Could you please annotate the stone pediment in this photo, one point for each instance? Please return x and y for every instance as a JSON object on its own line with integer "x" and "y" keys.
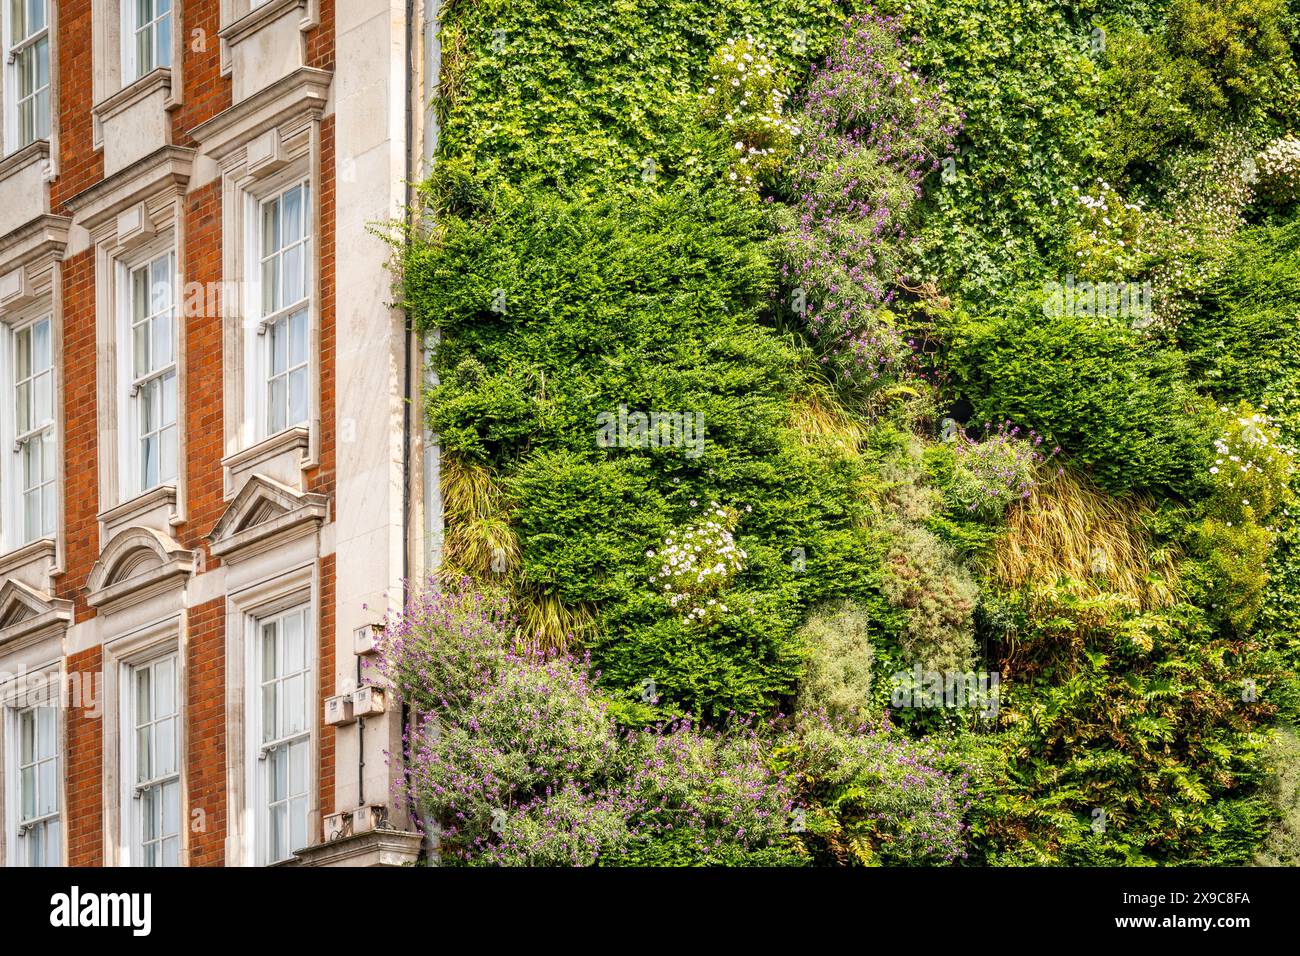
{"x": 136, "y": 564}
{"x": 264, "y": 514}
{"x": 26, "y": 612}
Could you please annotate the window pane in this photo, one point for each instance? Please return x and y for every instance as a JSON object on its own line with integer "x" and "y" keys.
{"x": 27, "y": 733}
{"x": 297, "y": 413}
{"x": 43, "y": 406}
{"x": 295, "y": 718}
{"x": 279, "y": 773}
{"x": 167, "y": 455}
{"x": 140, "y": 335}
{"x": 171, "y": 852}
{"x": 270, "y": 227}
{"x": 294, "y": 284}
{"x": 53, "y": 843}
{"x": 46, "y": 729}
{"x": 41, "y": 353}
{"x": 28, "y": 787}
{"x": 32, "y": 515}
{"x": 160, "y": 284}
{"x": 168, "y": 413}
{"x": 149, "y": 462}
{"x": 162, "y": 340}
{"x": 41, "y": 56}
{"x": 292, "y": 227}
{"x": 278, "y": 836}
{"x": 270, "y": 285}
{"x": 164, "y": 38}
{"x": 149, "y": 815}
{"x": 143, "y": 754}
{"x": 41, "y": 107}
{"x": 270, "y": 662}
{"x": 293, "y": 643}
{"x": 279, "y": 347}
{"x": 171, "y": 808}
{"x": 165, "y": 686}
{"x": 276, "y": 406}
{"x": 47, "y": 511}
{"x": 32, "y": 463}
{"x": 24, "y": 403}
{"x": 23, "y": 353}
{"x": 48, "y": 788}
{"x": 297, "y": 826}
{"x": 143, "y": 696}
{"x": 298, "y": 768}
{"x": 298, "y": 338}
{"x": 165, "y": 744}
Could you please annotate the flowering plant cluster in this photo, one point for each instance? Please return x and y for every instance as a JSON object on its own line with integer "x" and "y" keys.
{"x": 1206, "y": 209}
{"x": 520, "y": 763}
{"x": 1252, "y": 468}
{"x": 747, "y": 99}
{"x": 697, "y": 563}
{"x": 880, "y": 797}
{"x": 872, "y": 128}
{"x": 1110, "y": 238}
{"x": 1001, "y": 468}
{"x": 1278, "y": 168}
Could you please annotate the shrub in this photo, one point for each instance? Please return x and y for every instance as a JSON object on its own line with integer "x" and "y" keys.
{"x": 1117, "y": 404}
{"x": 871, "y": 128}
{"x": 1278, "y": 167}
{"x": 992, "y": 473}
{"x": 746, "y": 98}
{"x": 839, "y": 656}
{"x": 937, "y": 596}
{"x": 533, "y": 731}
{"x": 1130, "y": 736}
{"x": 446, "y": 646}
{"x": 1282, "y": 845}
{"x": 698, "y": 563}
{"x": 873, "y": 797}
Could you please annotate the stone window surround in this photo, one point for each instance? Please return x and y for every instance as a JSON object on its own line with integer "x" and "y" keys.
{"x": 133, "y": 213}
{"x": 240, "y": 19}
{"x": 14, "y": 697}
{"x": 271, "y": 592}
{"x": 140, "y": 645}
{"x": 107, "y": 92}
{"x": 31, "y": 284}
{"x": 51, "y": 145}
{"x": 262, "y": 145}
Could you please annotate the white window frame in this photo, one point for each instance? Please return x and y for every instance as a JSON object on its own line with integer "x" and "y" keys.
{"x": 261, "y": 754}
{"x": 272, "y": 320}
{"x": 14, "y": 444}
{"x": 135, "y": 390}
{"x": 18, "y": 850}
{"x": 160, "y": 55}
{"x": 133, "y": 791}
{"x": 42, "y": 119}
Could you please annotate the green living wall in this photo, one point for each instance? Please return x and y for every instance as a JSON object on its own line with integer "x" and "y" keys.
{"x": 761, "y": 404}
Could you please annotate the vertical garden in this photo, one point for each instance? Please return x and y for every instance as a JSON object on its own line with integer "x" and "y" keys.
{"x": 868, "y": 434}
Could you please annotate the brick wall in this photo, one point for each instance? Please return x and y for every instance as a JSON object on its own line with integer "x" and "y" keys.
{"x": 205, "y": 93}
{"x": 205, "y": 752}
{"x": 84, "y": 814}
{"x": 80, "y": 430}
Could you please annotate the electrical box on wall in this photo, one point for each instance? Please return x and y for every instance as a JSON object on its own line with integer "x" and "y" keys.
{"x": 367, "y": 701}
{"x": 339, "y": 710}
{"x": 338, "y": 825}
{"x": 365, "y": 819}
{"x": 365, "y": 639}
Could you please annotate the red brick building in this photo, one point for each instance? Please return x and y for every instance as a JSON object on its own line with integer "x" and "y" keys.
{"x": 211, "y": 481}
